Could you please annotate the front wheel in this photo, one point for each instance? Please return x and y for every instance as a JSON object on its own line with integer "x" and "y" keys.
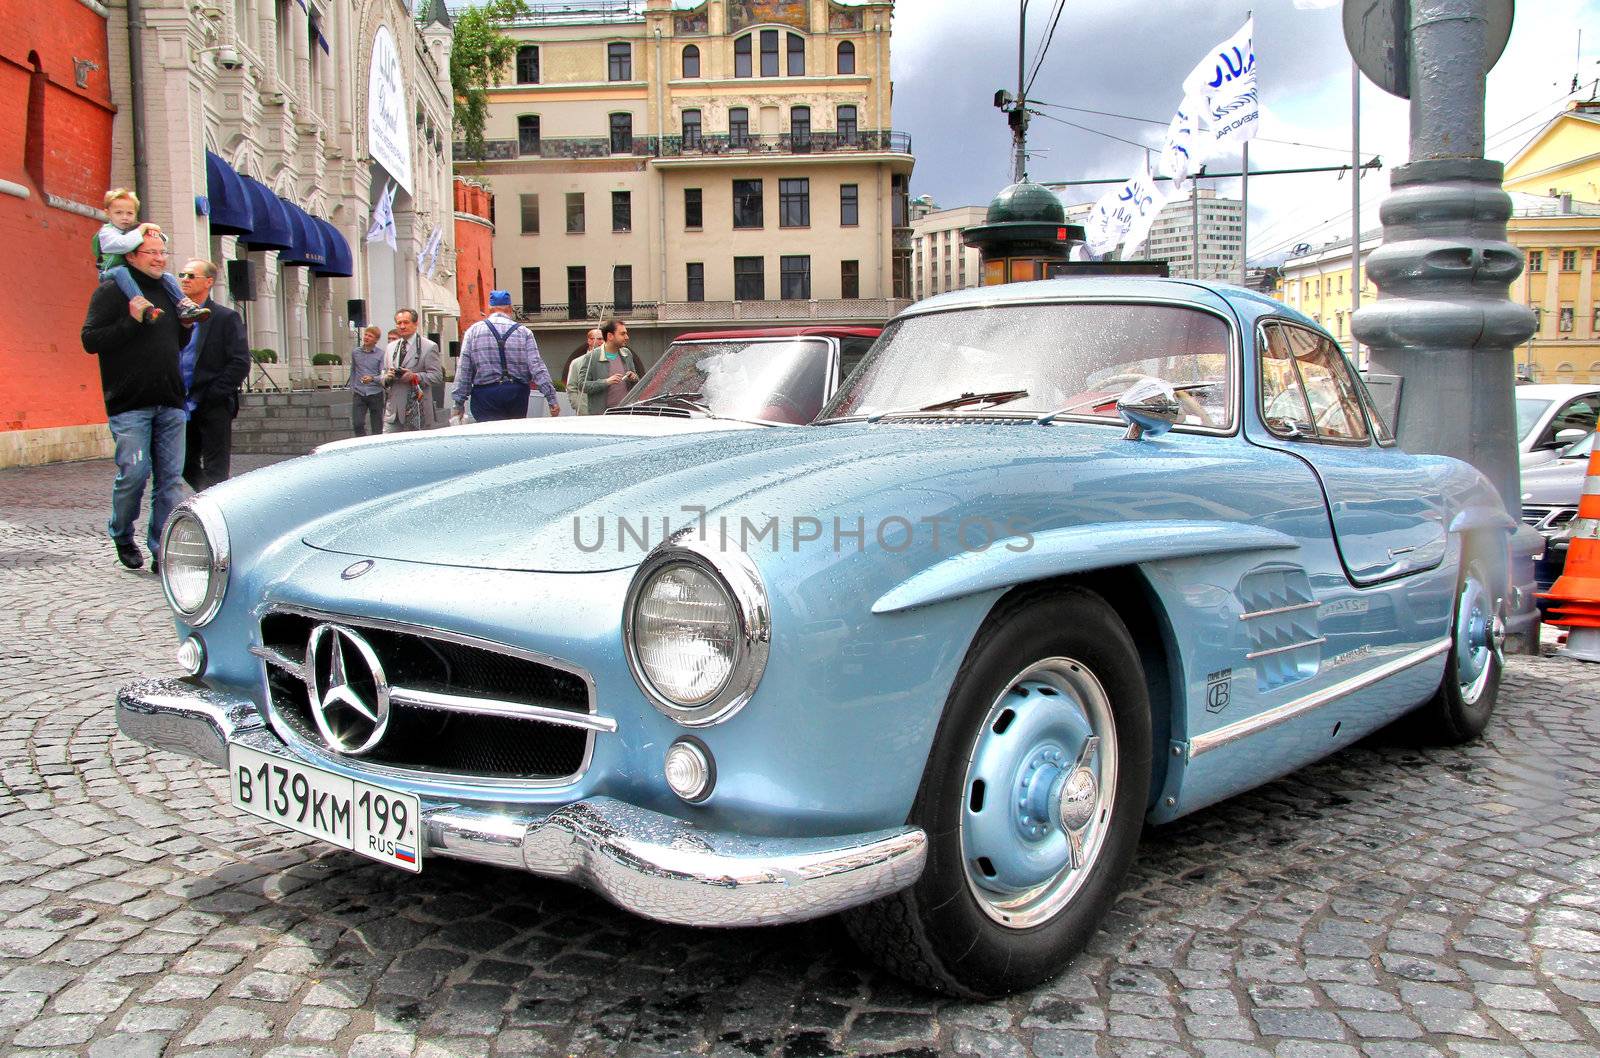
{"x": 1459, "y": 710}
{"x": 1033, "y": 801}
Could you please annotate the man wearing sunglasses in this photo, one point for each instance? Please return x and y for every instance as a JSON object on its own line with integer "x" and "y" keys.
{"x": 144, "y": 394}
{"x": 215, "y": 361}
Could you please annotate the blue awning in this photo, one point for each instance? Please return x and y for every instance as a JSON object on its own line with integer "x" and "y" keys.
{"x": 339, "y": 260}
{"x": 309, "y": 248}
{"x": 272, "y": 230}
{"x": 231, "y": 212}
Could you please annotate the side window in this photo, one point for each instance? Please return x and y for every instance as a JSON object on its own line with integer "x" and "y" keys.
{"x": 851, "y": 351}
{"x": 1579, "y": 414}
{"x": 1320, "y": 393}
{"x": 1283, "y": 398}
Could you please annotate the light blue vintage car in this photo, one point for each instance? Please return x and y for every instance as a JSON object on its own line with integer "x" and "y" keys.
{"x": 933, "y": 661}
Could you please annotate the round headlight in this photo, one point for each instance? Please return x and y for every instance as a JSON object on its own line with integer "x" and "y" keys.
{"x": 697, "y": 629}
{"x": 194, "y": 561}
{"x": 685, "y": 631}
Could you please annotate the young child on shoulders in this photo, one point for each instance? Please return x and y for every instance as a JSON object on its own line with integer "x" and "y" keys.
{"x": 123, "y": 235}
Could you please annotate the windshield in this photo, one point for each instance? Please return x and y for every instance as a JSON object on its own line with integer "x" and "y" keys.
{"x": 779, "y": 381}
{"x": 1529, "y": 411}
{"x": 1078, "y": 357}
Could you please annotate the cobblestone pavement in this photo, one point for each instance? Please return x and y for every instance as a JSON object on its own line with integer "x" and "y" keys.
{"x": 1389, "y": 903}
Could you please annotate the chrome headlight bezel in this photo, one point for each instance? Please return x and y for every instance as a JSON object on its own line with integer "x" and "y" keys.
{"x": 205, "y": 512}
{"x": 737, "y": 576}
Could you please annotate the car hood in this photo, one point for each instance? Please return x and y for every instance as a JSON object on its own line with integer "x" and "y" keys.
{"x": 1554, "y": 484}
{"x": 546, "y": 513}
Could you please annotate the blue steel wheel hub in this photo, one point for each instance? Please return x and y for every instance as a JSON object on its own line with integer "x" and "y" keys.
{"x": 1479, "y": 638}
{"x": 1041, "y": 778}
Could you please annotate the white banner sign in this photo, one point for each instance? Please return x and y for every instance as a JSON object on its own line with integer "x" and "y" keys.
{"x": 1226, "y": 81}
{"x": 1123, "y": 217}
{"x": 388, "y": 134}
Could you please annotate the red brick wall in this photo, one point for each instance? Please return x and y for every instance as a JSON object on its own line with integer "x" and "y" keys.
{"x": 474, "y": 254}
{"x": 47, "y": 275}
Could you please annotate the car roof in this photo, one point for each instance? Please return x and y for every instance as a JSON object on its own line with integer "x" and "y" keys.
{"x": 1191, "y": 290}
{"x": 1554, "y": 390}
{"x": 782, "y": 332}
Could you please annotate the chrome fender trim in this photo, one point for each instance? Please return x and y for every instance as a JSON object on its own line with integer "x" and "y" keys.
{"x": 1222, "y": 736}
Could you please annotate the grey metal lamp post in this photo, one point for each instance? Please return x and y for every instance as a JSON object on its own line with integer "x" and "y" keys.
{"x": 1443, "y": 323}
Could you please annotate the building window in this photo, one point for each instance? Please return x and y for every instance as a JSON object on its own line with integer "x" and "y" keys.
{"x": 692, "y": 214}
{"x": 530, "y": 214}
{"x": 794, "y": 278}
{"x": 845, "y": 122}
{"x": 741, "y": 57}
{"x": 794, "y": 203}
{"x": 797, "y": 55}
{"x": 622, "y": 288}
{"x": 691, "y": 130}
{"x": 574, "y": 212}
{"x": 769, "y": 53}
{"x": 749, "y": 279}
{"x": 738, "y": 127}
{"x": 696, "y": 280}
{"x": 527, "y": 134}
{"x": 847, "y": 58}
{"x": 621, "y": 133}
{"x": 1595, "y": 324}
{"x": 621, "y": 211}
{"x": 1569, "y": 260}
{"x": 849, "y": 279}
{"x": 1564, "y": 323}
{"x": 531, "y": 300}
{"x": 577, "y": 293}
{"x": 747, "y": 212}
{"x": 691, "y": 61}
{"x": 849, "y": 206}
{"x": 527, "y": 64}
{"x": 800, "y": 128}
{"x": 619, "y": 62}
{"x": 1536, "y": 260}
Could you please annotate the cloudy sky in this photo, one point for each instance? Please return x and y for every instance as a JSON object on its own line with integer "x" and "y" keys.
{"x": 1116, "y": 56}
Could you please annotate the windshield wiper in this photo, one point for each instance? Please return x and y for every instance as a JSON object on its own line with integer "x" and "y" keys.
{"x": 689, "y": 399}
{"x": 992, "y": 399}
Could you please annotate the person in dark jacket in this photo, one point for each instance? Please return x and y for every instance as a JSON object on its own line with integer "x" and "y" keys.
{"x": 220, "y": 361}
{"x": 144, "y": 395}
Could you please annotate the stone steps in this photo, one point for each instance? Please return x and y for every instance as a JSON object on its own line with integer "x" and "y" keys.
{"x": 290, "y": 423}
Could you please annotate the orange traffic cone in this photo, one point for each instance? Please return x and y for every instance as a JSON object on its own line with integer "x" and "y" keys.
{"x": 1575, "y": 597}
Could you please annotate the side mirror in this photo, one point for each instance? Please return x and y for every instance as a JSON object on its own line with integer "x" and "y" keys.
{"x": 1568, "y": 436}
{"x": 1149, "y": 406}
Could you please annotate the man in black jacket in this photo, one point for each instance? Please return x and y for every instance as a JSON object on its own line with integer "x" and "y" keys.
{"x": 143, "y": 387}
{"x": 221, "y": 360}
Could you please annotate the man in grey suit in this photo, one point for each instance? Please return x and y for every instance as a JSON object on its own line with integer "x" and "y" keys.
{"x": 410, "y": 368}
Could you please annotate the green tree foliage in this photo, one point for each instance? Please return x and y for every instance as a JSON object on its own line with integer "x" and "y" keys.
{"x": 479, "y": 56}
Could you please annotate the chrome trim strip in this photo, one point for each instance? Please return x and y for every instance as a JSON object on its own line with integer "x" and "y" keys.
{"x": 1275, "y": 611}
{"x": 1285, "y": 648}
{"x": 319, "y": 755}
{"x": 458, "y": 703}
{"x": 1222, "y": 736}
{"x": 278, "y": 659}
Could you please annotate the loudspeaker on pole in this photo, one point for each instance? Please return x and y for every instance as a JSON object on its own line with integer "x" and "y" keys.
{"x": 242, "y": 281}
{"x": 356, "y": 310}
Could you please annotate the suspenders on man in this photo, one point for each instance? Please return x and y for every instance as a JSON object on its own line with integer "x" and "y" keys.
{"x": 507, "y": 396}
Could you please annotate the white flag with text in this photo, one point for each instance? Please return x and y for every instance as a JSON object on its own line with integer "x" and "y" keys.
{"x": 1123, "y": 217}
{"x": 1225, "y": 80}
{"x": 383, "y": 219}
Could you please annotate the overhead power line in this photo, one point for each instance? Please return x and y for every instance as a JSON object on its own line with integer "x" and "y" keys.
{"x": 1044, "y": 49}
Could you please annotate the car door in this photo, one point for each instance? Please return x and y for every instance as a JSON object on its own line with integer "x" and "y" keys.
{"x": 1576, "y": 413}
{"x": 1386, "y": 511}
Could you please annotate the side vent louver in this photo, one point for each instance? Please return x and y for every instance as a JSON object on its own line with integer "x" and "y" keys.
{"x": 1280, "y": 619}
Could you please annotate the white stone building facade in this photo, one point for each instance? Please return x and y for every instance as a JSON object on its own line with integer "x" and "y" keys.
{"x": 281, "y": 92}
{"x": 940, "y": 261}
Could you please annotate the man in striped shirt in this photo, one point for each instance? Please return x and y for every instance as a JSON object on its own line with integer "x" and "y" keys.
{"x": 500, "y": 364}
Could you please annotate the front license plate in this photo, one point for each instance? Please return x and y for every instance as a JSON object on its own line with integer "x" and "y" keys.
{"x": 354, "y": 815}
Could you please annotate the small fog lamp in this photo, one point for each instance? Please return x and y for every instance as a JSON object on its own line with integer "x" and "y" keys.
{"x": 192, "y": 656}
{"x": 689, "y": 770}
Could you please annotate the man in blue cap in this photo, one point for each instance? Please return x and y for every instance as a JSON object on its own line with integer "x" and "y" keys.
{"x": 500, "y": 365}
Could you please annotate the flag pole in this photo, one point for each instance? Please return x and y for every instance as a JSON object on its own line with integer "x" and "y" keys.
{"x": 1355, "y": 206}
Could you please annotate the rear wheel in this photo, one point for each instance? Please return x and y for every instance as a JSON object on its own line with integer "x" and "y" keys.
{"x": 1459, "y": 711}
{"x": 1033, "y": 800}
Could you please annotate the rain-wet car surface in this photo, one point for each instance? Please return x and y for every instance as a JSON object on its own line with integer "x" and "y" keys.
{"x": 1059, "y": 560}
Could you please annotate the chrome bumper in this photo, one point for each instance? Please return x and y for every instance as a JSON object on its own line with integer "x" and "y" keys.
{"x": 652, "y": 864}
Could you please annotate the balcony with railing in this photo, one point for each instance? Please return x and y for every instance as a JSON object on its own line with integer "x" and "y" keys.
{"x": 787, "y": 311}
{"x": 734, "y": 146}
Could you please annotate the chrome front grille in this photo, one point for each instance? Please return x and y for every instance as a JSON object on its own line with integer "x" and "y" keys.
{"x": 459, "y": 708}
{"x": 1547, "y": 519}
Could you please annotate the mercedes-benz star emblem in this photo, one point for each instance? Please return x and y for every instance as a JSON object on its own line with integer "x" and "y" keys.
{"x": 349, "y": 692}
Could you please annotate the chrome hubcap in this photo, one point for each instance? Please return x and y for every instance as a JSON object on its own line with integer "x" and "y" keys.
{"x": 1041, "y": 777}
{"x": 1480, "y": 635}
